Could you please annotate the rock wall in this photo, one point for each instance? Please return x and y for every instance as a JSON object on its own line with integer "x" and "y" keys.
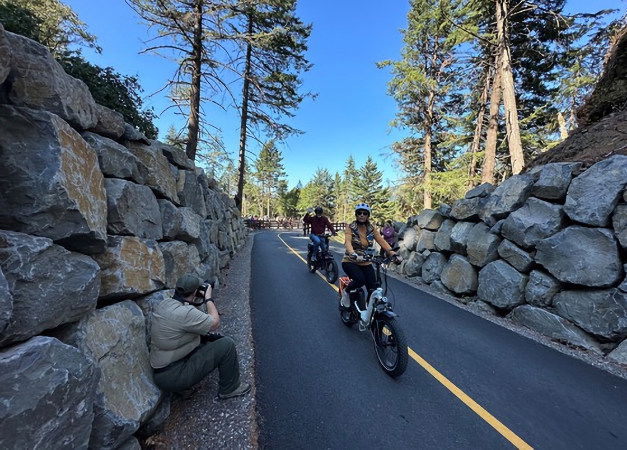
{"x": 547, "y": 249}
{"x": 96, "y": 224}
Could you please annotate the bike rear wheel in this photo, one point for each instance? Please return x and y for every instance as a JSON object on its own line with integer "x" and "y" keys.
{"x": 330, "y": 271}
{"x": 390, "y": 345}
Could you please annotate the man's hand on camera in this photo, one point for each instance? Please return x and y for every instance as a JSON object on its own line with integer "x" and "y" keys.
{"x": 208, "y": 292}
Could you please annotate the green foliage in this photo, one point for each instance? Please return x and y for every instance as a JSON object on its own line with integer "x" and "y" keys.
{"x": 268, "y": 176}
{"x": 318, "y": 192}
{"x": 368, "y": 188}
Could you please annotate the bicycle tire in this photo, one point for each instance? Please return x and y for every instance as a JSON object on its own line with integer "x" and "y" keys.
{"x": 331, "y": 271}
{"x": 387, "y": 335}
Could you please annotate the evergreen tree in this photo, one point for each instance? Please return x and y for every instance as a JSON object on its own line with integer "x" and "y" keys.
{"x": 318, "y": 192}
{"x": 369, "y": 189}
{"x": 268, "y": 173}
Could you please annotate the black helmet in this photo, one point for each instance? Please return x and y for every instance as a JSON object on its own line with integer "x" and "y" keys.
{"x": 318, "y": 210}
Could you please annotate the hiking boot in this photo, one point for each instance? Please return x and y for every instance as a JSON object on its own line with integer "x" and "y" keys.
{"x": 345, "y": 300}
{"x": 242, "y": 389}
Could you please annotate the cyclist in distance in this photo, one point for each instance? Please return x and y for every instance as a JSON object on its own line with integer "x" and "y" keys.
{"x": 360, "y": 235}
{"x": 319, "y": 224}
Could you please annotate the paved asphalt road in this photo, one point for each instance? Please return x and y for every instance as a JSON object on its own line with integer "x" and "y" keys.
{"x": 319, "y": 384}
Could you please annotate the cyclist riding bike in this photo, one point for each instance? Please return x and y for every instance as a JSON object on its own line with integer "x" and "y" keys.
{"x": 360, "y": 235}
{"x": 319, "y": 224}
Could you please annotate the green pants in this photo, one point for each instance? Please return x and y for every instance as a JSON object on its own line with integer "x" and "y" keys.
{"x": 188, "y": 371}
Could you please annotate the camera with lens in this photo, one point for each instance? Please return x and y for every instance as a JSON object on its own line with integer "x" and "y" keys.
{"x": 202, "y": 289}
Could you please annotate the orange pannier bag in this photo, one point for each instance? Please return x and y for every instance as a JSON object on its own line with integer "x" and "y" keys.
{"x": 344, "y": 281}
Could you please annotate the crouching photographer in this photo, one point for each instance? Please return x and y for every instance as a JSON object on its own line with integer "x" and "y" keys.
{"x": 183, "y": 349}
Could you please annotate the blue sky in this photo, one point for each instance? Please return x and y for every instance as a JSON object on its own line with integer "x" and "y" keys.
{"x": 352, "y": 111}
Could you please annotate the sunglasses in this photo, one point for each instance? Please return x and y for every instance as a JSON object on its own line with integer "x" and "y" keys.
{"x": 362, "y": 212}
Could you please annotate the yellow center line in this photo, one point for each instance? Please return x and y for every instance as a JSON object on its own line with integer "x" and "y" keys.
{"x": 457, "y": 392}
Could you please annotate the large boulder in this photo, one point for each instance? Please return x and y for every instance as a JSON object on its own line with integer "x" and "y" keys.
{"x": 468, "y": 208}
{"x": 459, "y": 275}
{"x": 39, "y": 82}
{"x": 175, "y": 155}
{"x": 50, "y": 286}
{"x": 541, "y": 288}
{"x": 6, "y": 302}
{"x": 619, "y": 223}
{"x": 413, "y": 266}
{"x": 483, "y": 190}
{"x": 515, "y": 256}
{"x": 619, "y": 354}
{"x": 482, "y": 246}
{"x": 115, "y": 338}
{"x": 433, "y": 266}
{"x": 208, "y": 235}
{"x": 110, "y": 123}
{"x": 459, "y": 236}
{"x": 215, "y": 208}
{"x": 602, "y": 313}
{"x": 536, "y": 220}
{"x": 133, "y": 135}
{"x": 508, "y": 197}
{"x": 593, "y": 195}
{"x": 425, "y": 240}
{"x": 553, "y": 326}
{"x": 132, "y": 210}
{"x": 130, "y": 267}
{"x": 161, "y": 178}
{"x": 553, "y": 180}
{"x": 50, "y": 181}
{"x": 179, "y": 223}
{"x": 429, "y": 219}
{"x": 115, "y": 160}
{"x": 47, "y": 390}
{"x": 584, "y": 256}
{"x": 210, "y": 264}
{"x": 442, "y": 241}
{"x": 179, "y": 258}
{"x": 5, "y": 55}
{"x": 410, "y": 237}
{"x": 501, "y": 285}
{"x": 190, "y": 192}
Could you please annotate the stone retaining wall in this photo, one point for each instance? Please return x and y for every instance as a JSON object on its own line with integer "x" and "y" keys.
{"x": 547, "y": 249}
{"x": 96, "y": 224}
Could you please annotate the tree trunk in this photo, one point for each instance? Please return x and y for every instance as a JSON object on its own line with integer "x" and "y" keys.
{"x": 509, "y": 94}
{"x": 562, "y": 123}
{"x": 476, "y": 140}
{"x": 193, "y": 122}
{"x": 489, "y": 161}
{"x": 427, "y": 153}
{"x": 244, "y": 119}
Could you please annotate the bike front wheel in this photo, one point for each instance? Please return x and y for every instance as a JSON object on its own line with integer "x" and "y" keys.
{"x": 311, "y": 265}
{"x": 390, "y": 345}
{"x": 330, "y": 271}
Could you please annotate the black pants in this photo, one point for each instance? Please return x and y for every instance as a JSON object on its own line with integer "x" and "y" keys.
{"x": 360, "y": 276}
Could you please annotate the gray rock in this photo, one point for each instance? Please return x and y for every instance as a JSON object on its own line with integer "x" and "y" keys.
{"x": 619, "y": 223}
{"x": 568, "y": 256}
{"x": 154, "y": 424}
{"x": 483, "y": 190}
{"x": 482, "y": 306}
{"x": 442, "y": 240}
{"x": 501, "y": 285}
{"x": 6, "y": 299}
{"x": 459, "y": 236}
{"x": 413, "y": 267}
{"x": 160, "y": 178}
{"x": 179, "y": 223}
{"x": 131, "y": 134}
{"x": 541, "y": 288}
{"x": 179, "y": 258}
{"x": 190, "y": 192}
{"x": 482, "y": 246}
{"x": 497, "y": 227}
{"x": 553, "y": 326}
{"x": 593, "y": 195}
{"x": 459, "y": 276}
{"x": 110, "y": 123}
{"x": 130, "y": 444}
{"x": 433, "y": 266}
{"x": 429, "y": 219}
{"x": 536, "y": 220}
{"x": 602, "y": 313}
{"x": 5, "y": 55}
{"x": 553, "y": 180}
{"x": 50, "y": 181}
{"x": 115, "y": 338}
{"x": 209, "y": 268}
{"x": 623, "y": 285}
{"x": 410, "y": 237}
{"x": 508, "y": 197}
{"x": 438, "y": 286}
{"x": 115, "y": 160}
{"x": 175, "y": 155}
{"x": 132, "y": 210}
{"x": 515, "y": 256}
{"x": 619, "y": 354}
{"x": 50, "y": 286}
{"x": 468, "y": 208}
{"x": 425, "y": 240}
{"x": 444, "y": 210}
{"x": 47, "y": 390}
{"x": 208, "y": 235}
{"x": 39, "y": 82}
{"x": 130, "y": 267}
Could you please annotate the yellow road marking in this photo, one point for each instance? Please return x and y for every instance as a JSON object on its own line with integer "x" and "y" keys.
{"x": 457, "y": 392}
